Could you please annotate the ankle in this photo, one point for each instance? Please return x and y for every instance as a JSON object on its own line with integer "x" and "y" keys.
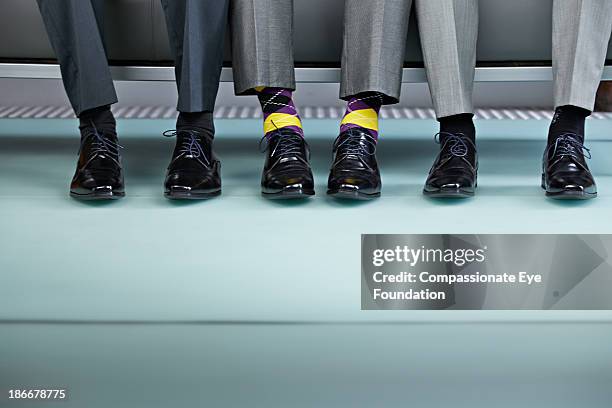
{"x": 279, "y": 110}
{"x": 462, "y": 124}
{"x": 196, "y": 121}
{"x": 101, "y": 118}
{"x": 362, "y": 112}
{"x": 568, "y": 119}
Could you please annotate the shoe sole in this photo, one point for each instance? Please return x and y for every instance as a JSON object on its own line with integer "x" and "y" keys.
{"x": 571, "y": 195}
{"x": 352, "y": 195}
{"x": 289, "y": 194}
{"x": 459, "y": 193}
{"x": 106, "y": 196}
{"x": 174, "y": 195}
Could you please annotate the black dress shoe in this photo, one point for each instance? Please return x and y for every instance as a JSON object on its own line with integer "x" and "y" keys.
{"x": 194, "y": 172}
{"x": 566, "y": 174}
{"x": 354, "y": 173}
{"x": 99, "y": 173}
{"x": 286, "y": 173}
{"x": 455, "y": 171}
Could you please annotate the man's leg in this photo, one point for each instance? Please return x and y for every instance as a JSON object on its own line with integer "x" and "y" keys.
{"x": 74, "y": 28}
{"x": 373, "y": 53}
{"x": 262, "y": 44}
{"x": 449, "y": 31}
{"x": 196, "y": 29}
{"x": 581, "y": 31}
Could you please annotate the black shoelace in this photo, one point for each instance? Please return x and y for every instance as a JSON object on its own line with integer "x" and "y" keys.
{"x": 189, "y": 144}
{"x": 354, "y": 142}
{"x": 455, "y": 144}
{"x": 100, "y": 145}
{"x": 570, "y": 145}
{"x": 289, "y": 143}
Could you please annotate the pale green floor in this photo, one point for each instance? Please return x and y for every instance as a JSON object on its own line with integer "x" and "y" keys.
{"x": 267, "y": 293}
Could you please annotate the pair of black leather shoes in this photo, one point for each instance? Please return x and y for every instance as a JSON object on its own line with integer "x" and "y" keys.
{"x": 355, "y": 173}
{"x": 195, "y": 172}
{"x": 565, "y": 173}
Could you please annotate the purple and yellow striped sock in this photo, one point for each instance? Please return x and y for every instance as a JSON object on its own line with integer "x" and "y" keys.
{"x": 362, "y": 112}
{"x": 279, "y": 110}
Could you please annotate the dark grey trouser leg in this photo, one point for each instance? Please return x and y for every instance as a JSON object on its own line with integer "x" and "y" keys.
{"x": 74, "y": 28}
{"x": 197, "y": 32}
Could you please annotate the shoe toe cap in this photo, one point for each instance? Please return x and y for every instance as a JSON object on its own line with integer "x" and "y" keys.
{"x": 90, "y": 184}
{"x": 451, "y": 182}
{"x": 190, "y": 182}
{"x": 294, "y": 181}
{"x": 355, "y": 182}
{"x": 571, "y": 183}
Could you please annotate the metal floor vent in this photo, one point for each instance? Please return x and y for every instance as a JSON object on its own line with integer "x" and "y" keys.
{"x": 249, "y": 112}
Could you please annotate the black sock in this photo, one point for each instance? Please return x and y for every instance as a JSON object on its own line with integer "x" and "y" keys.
{"x": 198, "y": 121}
{"x": 568, "y": 119}
{"x": 102, "y": 118}
{"x": 462, "y": 123}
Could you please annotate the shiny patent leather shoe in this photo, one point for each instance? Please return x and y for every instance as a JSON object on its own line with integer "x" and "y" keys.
{"x": 194, "y": 173}
{"x": 455, "y": 171}
{"x": 99, "y": 173}
{"x": 354, "y": 173}
{"x": 566, "y": 174}
{"x": 286, "y": 173}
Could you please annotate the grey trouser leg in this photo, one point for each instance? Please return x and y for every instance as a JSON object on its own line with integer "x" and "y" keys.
{"x": 449, "y": 33}
{"x": 262, "y": 44}
{"x": 75, "y": 32}
{"x": 375, "y": 34}
{"x": 196, "y": 29}
{"x": 374, "y": 46}
{"x": 581, "y": 31}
